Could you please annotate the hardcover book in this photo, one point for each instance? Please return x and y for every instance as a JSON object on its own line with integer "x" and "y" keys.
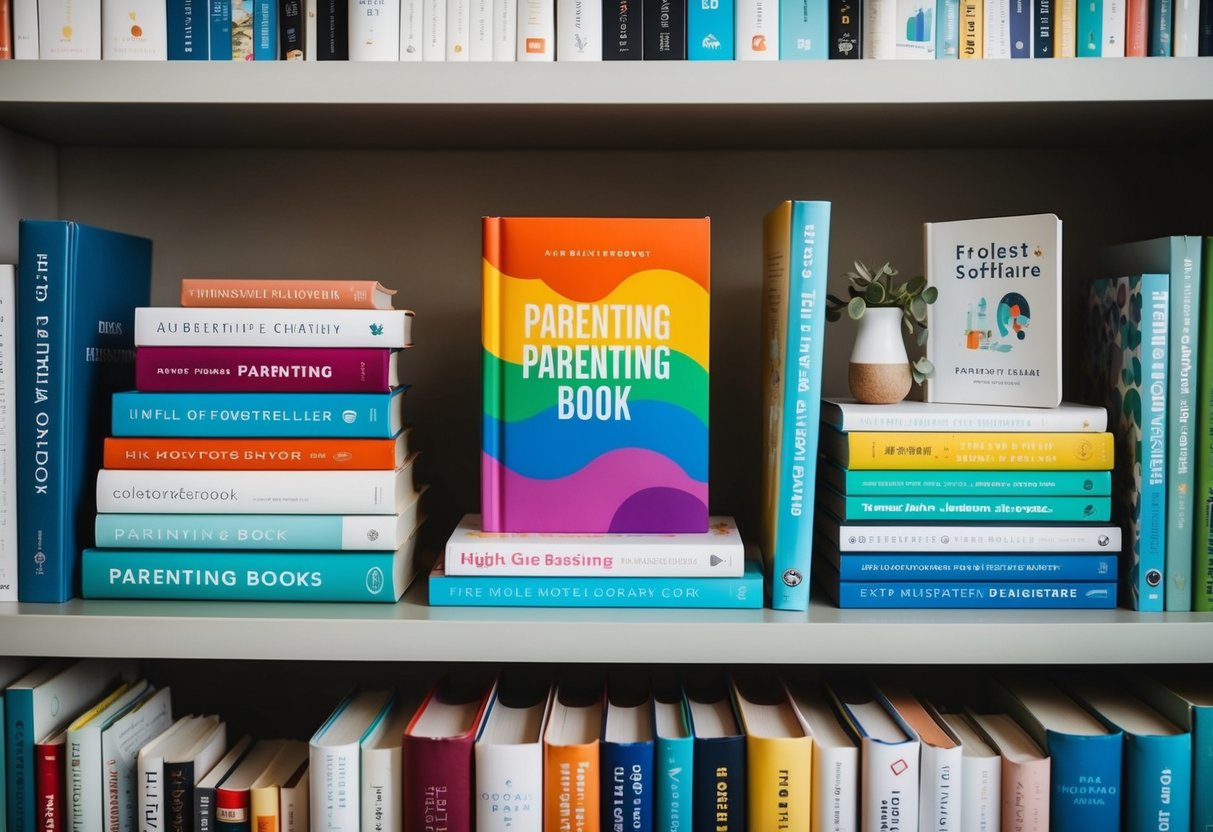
{"x": 796, "y": 255}
{"x": 50, "y": 786}
{"x": 134, "y": 30}
{"x": 8, "y": 434}
{"x": 1043, "y": 24}
{"x": 374, "y": 34}
{"x": 757, "y": 30}
{"x": 85, "y": 777}
{"x": 719, "y": 786}
{"x": 282, "y": 369}
{"x": 536, "y": 30}
{"x": 994, "y": 333}
{"x": 916, "y": 29}
{"x": 595, "y": 336}
{"x": 1186, "y": 699}
{"x": 233, "y": 803}
{"x": 240, "y": 454}
{"x": 1202, "y": 584}
{"x": 664, "y": 30}
{"x": 382, "y": 801}
{"x": 834, "y": 799}
{"x": 571, "y": 769}
{"x": 968, "y": 537}
{"x": 804, "y": 29}
{"x": 969, "y": 594}
{"x": 1127, "y": 370}
{"x": 120, "y": 744}
{"x": 779, "y": 753}
{"x": 77, "y": 288}
{"x": 846, "y": 35}
{"x": 980, "y": 775}
{"x": 66, "y": 30}
{"x": 204, "y": 791}
{"x": 988, "y": 483}
{"x": 710, "y": 30}
{"x": 903, "y": 507}
{"x": 673, "y": 755}
{"x": 579, "y": 30}
{"x": 626, "y": 760}
{"x": 509, "y": 755}
{"x": 940, "y": 797}
{"x": 265, "y": 793}
{"x": 1024, "y": 785}
{"x": 189, "y": 35}
{"x": 947, "y": 29}
{"x": 335, "y": 753}
{"x": 622, "y": 31}
{"x": 848, "y": 415}
{"x": 172, "y": 326}
{"x": 972, "y": 25}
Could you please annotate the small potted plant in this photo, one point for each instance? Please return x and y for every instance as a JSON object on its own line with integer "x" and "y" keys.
{"x": 880, "y": 371}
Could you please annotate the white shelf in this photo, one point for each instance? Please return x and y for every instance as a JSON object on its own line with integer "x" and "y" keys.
{"x": 615, "y": 104}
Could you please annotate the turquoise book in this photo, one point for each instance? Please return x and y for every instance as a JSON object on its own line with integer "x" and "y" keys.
{"x": 804, "y": 30}
{"x": 857, "y": 483}
{"x": 318, "y": 415}
{"x": 248, "y": 575}
{"x": 710, "y": 30}
{"x": 1202, "y": 589}
{"x": 1088, "y": 37}
{"x": 1128, "y": 319}
{"x": 1185, "y": 697}
{"x": 77, "y": 289}
{"x": 1179, "y": 257}
{"x": 795, "y": 244}
{"x": 965, "y": 507}
{"x": 947, "y": 29}
{"x": 673, "y": 756}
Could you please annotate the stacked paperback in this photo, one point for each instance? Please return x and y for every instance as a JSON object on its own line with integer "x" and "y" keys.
{"x": 263, "y": 455}
{"x": 949, "y": 505}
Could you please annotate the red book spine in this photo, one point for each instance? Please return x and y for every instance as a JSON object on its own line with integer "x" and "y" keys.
{"x": 49, "y": 777}
{"x": 438, "y": 784}
{"x": 260, "y": 369}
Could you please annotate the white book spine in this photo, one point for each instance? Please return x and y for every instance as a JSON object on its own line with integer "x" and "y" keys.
{"x": 980, "y": 807}
{"x": 480, "y": 42}
{"x": 411, "y": 46}
{"x": 941, "y": 795}
{"x": 888, "y": 784}
{"x": 69, "y": 30}
{"x": 253, "y": 492}
{"x": 134, "y": 30}
{"x": 997, "y": 29}
{"x": 433, "y": 24}
{"x": 149, "y": 791}
{"x": 294, "y": 808}
{"x": 25, "y": 30}
{"x": 579, "y": 30}
{"x": 983, "y": 538}
{"x": 172, "y": 326}
{"x": 552, "y": 561}
{"x": 1185, "y": 28}
{"x": 310, "y": 23}
{"x": 919, "y": 416}
{"x": 1113, "y": 29}
{"x": 910, "y": 46}
{"x": 8, "y": 435}
{"x": 536, "y": 30}
{"x": 84, "y": 810}
{"x": 834, "y": 804}
{"x": 515, "y": 771}
{"x": 505, "y": 30}
{"x": 120, "y": 744}
{"x": 374, "y": 30}
{"x": 382, "y": 791}
{"x": 333, "y": 788}
{"x": 879, "y": 29}
{"x": 458, "y": 29}
{"x": 757, "y": 25}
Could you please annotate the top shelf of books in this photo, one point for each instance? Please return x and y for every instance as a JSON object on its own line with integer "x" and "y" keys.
{"x": 611, "y": 105}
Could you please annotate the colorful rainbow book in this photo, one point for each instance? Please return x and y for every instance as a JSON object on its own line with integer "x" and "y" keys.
{"x": 595, "y": 336}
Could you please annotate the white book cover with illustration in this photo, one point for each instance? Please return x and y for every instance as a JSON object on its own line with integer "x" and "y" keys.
{"x": 994, "y": 334}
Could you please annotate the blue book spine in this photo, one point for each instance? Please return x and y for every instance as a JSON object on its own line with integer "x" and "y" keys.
{"x": 189, "y": 30}
{"x": 1084, "y": 782}
{"x": 1042, "y": 28}
{"x": 341, "y": 415}
{"x": 1021, "y": 28}
{"x": 265, "y": 30}
{"x": 947, "y": 30}
{"x": 1160, "y": 29}
{"x": 804, "y": 30}
{"x": 1202, "y": 767}
{"x": 988, "y": 483}
{"x": 973, "y": 595}
{"x": 19, "y": 758}
{"x": 1148, "y": 570}
{"x": 1089, "y": 29}
{"x": 220, "y": 29}
{"x": 976, "y": 567}
{"x": 720, "y": 784}
{"x": 1158, "y": 782}
{"x": 1182, "y": 402}
{"x": 967, "y": 507}
{"x": 523, "y": 591}
{"x": 804, "y": 329}
{"x": 237, "y": 531}
{"x": 710, "y": 27}
{"x": 674, "y": 762}
{"x": 77, "y": 289}
{"x": 180, "y": 574}
{"x": 627, "y": 785}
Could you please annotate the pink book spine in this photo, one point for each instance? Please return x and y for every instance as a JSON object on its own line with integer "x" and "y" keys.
{"x": 263, "y": 369}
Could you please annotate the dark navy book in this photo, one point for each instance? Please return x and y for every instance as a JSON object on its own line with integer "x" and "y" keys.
{"x": 665, "y": 30}
{"x": 719, "y": 787}
{"x": 189, "y": 30}
{"x": 626, "y": 757}
{"x": 622, "y": 25}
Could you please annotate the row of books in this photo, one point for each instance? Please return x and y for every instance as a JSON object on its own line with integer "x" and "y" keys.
{"x": 567, "y": 30}
{"x": 702, "y": 750}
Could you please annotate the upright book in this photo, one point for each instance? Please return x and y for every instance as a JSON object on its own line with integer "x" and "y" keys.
{"x": 595, "y": 334}
{"x": 382, "y": 800}
{"x": 779, "y": 753}
{"x": 8, "y": 433}
{"x": 673, "y": 755}
{"x": 571, "y": 787}
{"x": 941, "y": 774}
{"x": 1024, "y": 784}
{"x": 77, "y": 289}
{"x": 980, "y": 775}
{"x": 995, "y": 330}
{"x": 334, "y": 754}
{"x": 509, "y": 755}
{"x": 719, "y": 786}
{"x": 1202, "y": 586}
{"x": 834, "y": 799}
{"x": 626, "y": 758}
{"x": 1186, "y": 699}
{"x": 795, "y": 243}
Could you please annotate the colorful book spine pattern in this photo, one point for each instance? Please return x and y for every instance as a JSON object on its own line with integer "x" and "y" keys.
{"x": 595, "y": 335}
{"x": 253, "y": 369}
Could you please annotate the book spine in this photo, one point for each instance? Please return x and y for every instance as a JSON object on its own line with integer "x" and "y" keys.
{"x": 1202, "y": 579}
{"x": 188, "y": 30}
{"x": 255, "y": 415}
{"x": 509, "y": 769}
{"x": 627, "y": 786}
{"x": 19, "y": 757}
{"x": 239, "y": 454}
{"x": 1065, "y": 38}
{"x": 505, "y": 30}
{"x": 233, "y": 810}
{"x": 1157, "y": 782}
{"x": 571, "y": 787}
{"x": 291, "y": 37}
{"x": 1202, "y": 766}
{"x": 720, "y": 787}
{"x": 261, "y": 369}
{"x": 381, "y": 805}
{"x": 1077, "y": 763}
{"x": 974, "y": 595}
{"x": 458, "y": 30}
{"x": 890, "y": 419}
{"x": 947, "y": 30}
{"x": 1137, "y": 28}
{"x": 171, "y": 326}
{"x": 972, "y": 29}
{"x": 220, "y": 29}
{"x": 25, "y": 30}
{"x": 665, "y": 29}
{"x": 1113, "y": 29}
{"x": 537, "y": 30}
{"x": 1042, "y": 32}
{"x": 1025, "y": 567}
{"x": 333, "y": 795}
{"x": 978, "y": 537}
{"x": 265, "y": 30}
{"x": 673, "y": 766}
{"x": 710, "y": 25}
{"x": 979, "y": 780}
{"x": 803, "y": 29}
{"x": 252, "y": 492}
{"x": 49, "y": 787}
{"x": 481, "y": 44}
{"x": 1204, "y": 44}
{"x": 888, "y": 782}
{"x": 6, "y": 30}
{"x": 757, "y": 30}
{"x": 879, "y": 29}
{"x": 179, "y": 796}
{"x": 897, "y": 450}
{"x": 150, "y": 814}
{"x": 987, "y": 483}
{"x": 1184, "y": 368}
{"x": 938, "y": 790}
{"x": 622, "y": 30}
{"x": 9, "y": 450}
{"x": 1060, "y": 509}
{"x": 249, "y": 531}
{"x": 1147, "y": 567}
{"x": 245, "y": 575}
{"x": 1185, "y": 42}
{"x": 997, "y": 28}
{"x": 779, "y": 781}
{"x": 278, "y": 294}
{"x": 580, "y": 29}
{"x": 332, "y": 36}
{"x": 915, "y": 32}
{"x": 538, "y": 557}
{"x": 1024, "y": 796}
{"x": 374, "y": 36}
{"x": 684, "y": 593}
{"x": 846, "y": 29}
{"x": 84, "y": 779}
{"x": 242, "y": 29}
{"x": 69, "y": 31}
{"x": 1021, "y": 28}
{"x": 1088, "y": 29}
{"x": 437, "y": 774}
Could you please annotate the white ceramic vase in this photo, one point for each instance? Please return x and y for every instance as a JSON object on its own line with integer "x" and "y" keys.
{"x": 879, "y": 372}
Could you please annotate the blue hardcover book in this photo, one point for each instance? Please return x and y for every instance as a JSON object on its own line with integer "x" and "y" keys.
{"x": 1178, "y": 257}
{"x": 77, "y": 289}
{"x": 220, "y": 29}
{"x": 796, "y": 253}
{"x": 719, "y": 790}
{"x": 189, "y": 30}
{"x": 804, "y": 30}
{"x": 1085, "y": 754}
{"x": 983, "y": 594}
{"x": 1043, "y": 12}
{"x": 1128, "y": 317}
{"x": 744, "y": 592}
{"x": 343, "y": 415}
{"x": 673, "y": 756}
{"x": 626, "y": 760}
{"x": 963, "y": 507}
{"x": 1157, "y": 765}
{"x": 250, "y": 575}
{"x": 265, "y": 30}
{"x": 1027, "y": 566}
{"x": 947, "y": 29}
{"x": 1088, "y": 27}
{"x": 1021, "y": 28}
{"x": 710, "y": 26}
{"x": 1159, "y": 45}
{"x": 932, "y": 483}
{"x": 1185, "y": 697}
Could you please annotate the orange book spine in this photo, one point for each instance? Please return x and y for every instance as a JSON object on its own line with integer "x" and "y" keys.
{"x": 6, "y": 30}
{"x": 1137, "y": 15}
{"x": 238, "y": 454}
{"x": 288, "y": 294}
{"x": 570, "y": 788}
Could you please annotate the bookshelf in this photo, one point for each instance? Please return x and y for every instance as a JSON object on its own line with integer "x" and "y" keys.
{"x": 383, "y": 170}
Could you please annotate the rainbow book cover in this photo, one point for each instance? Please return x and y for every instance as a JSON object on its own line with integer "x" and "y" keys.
{"x": 595, "y": 339}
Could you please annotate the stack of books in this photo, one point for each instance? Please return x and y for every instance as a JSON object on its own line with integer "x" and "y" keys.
{"x": 263, "y": 454}
{"x": 951, "y": 505}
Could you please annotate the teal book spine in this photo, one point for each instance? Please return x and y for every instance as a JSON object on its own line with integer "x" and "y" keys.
{"x": 1202, "y": 586}
{"x": 989, "y": 483}
{"x": 77, "y": 289}
{"x": 1085, "y": 781}
{"x": 246, "y": 531}
{"x": 338, "y": 415}
{"x": 19, "y": 758}
{"x": 966, "y": 507}
{"x": 947, "y": 30}
{"x": 1089, "y": 29}
{"x": 174, "y": 574}
{"x": 265, "y": 30}
{"x": 1158, "y": 782}
{"x": 674, "y": 764}
{"x": 804, "y": 30}
{"x": 710, "y": 25}
{"x": 1202, "y": 767}
{"x": 971, "y": 595}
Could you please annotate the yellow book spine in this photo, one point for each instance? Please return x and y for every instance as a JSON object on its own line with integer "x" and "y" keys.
{"x": 264, "y": 808}
{"x": 779, "y": 779}
{"x": 972, "y": 35}
{"x": 91, "y": 713}
{"x": 977, "y": 451}
{"x": 1065, "y": 39}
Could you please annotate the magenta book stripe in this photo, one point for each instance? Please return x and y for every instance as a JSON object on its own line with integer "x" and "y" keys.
{"x": 275, "y": 369}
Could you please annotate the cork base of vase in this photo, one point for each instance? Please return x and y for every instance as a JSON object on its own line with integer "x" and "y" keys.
{"x": 879, "y": 371}
{"x": 879, "y": 383}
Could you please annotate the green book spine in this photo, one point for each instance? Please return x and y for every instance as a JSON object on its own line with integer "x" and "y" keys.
{"x": 1202, "y": 595}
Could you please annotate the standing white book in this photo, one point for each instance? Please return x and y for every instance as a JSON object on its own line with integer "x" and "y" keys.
{"x": 120, "y": 744}
{"x": 536, "y": 30}
{"x": 1185, "y": 29}
{"x": 480, "y": 40}
{"x": 184, "y": 740}
{"x": 69, "y": 30}
{"x": 335, "y": 754}
{"x": 757, "y": 30}
{"x": 134, "y": 30}
{"x": 578, "y": 30}
{"x": 915, "y": 25}
{"x": 509, "y": 756}
{"x": 433, "y": 30}
{"x": 980, "y": 778}
{"x": 458, "y": 30}
{"x": 879, "y": 29}
{"x": 411, "y": 30}
{"x": 505, "y": 30}
{"x": 848, "y": 415}
{"x": 1113, "y": 29}
{"x": 996, "y": 27}
{"x": 374, "y": 30}
{"x": 1025, "y": 781}
{"x": 85, "y": 780}
{"x": 834, "y": 804}
{"x": 8, "y": 436}
{"x": 310, "y": 24}
{"x": 941, "y": 770}
{"x": 382, "y": 802}
{"x": 265, "y": 793}
{"x": 190, "y": 326}
{"x": 994, "y": 333}
{"x": 294, "y": 799}
{"x": 25, "y": 30}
